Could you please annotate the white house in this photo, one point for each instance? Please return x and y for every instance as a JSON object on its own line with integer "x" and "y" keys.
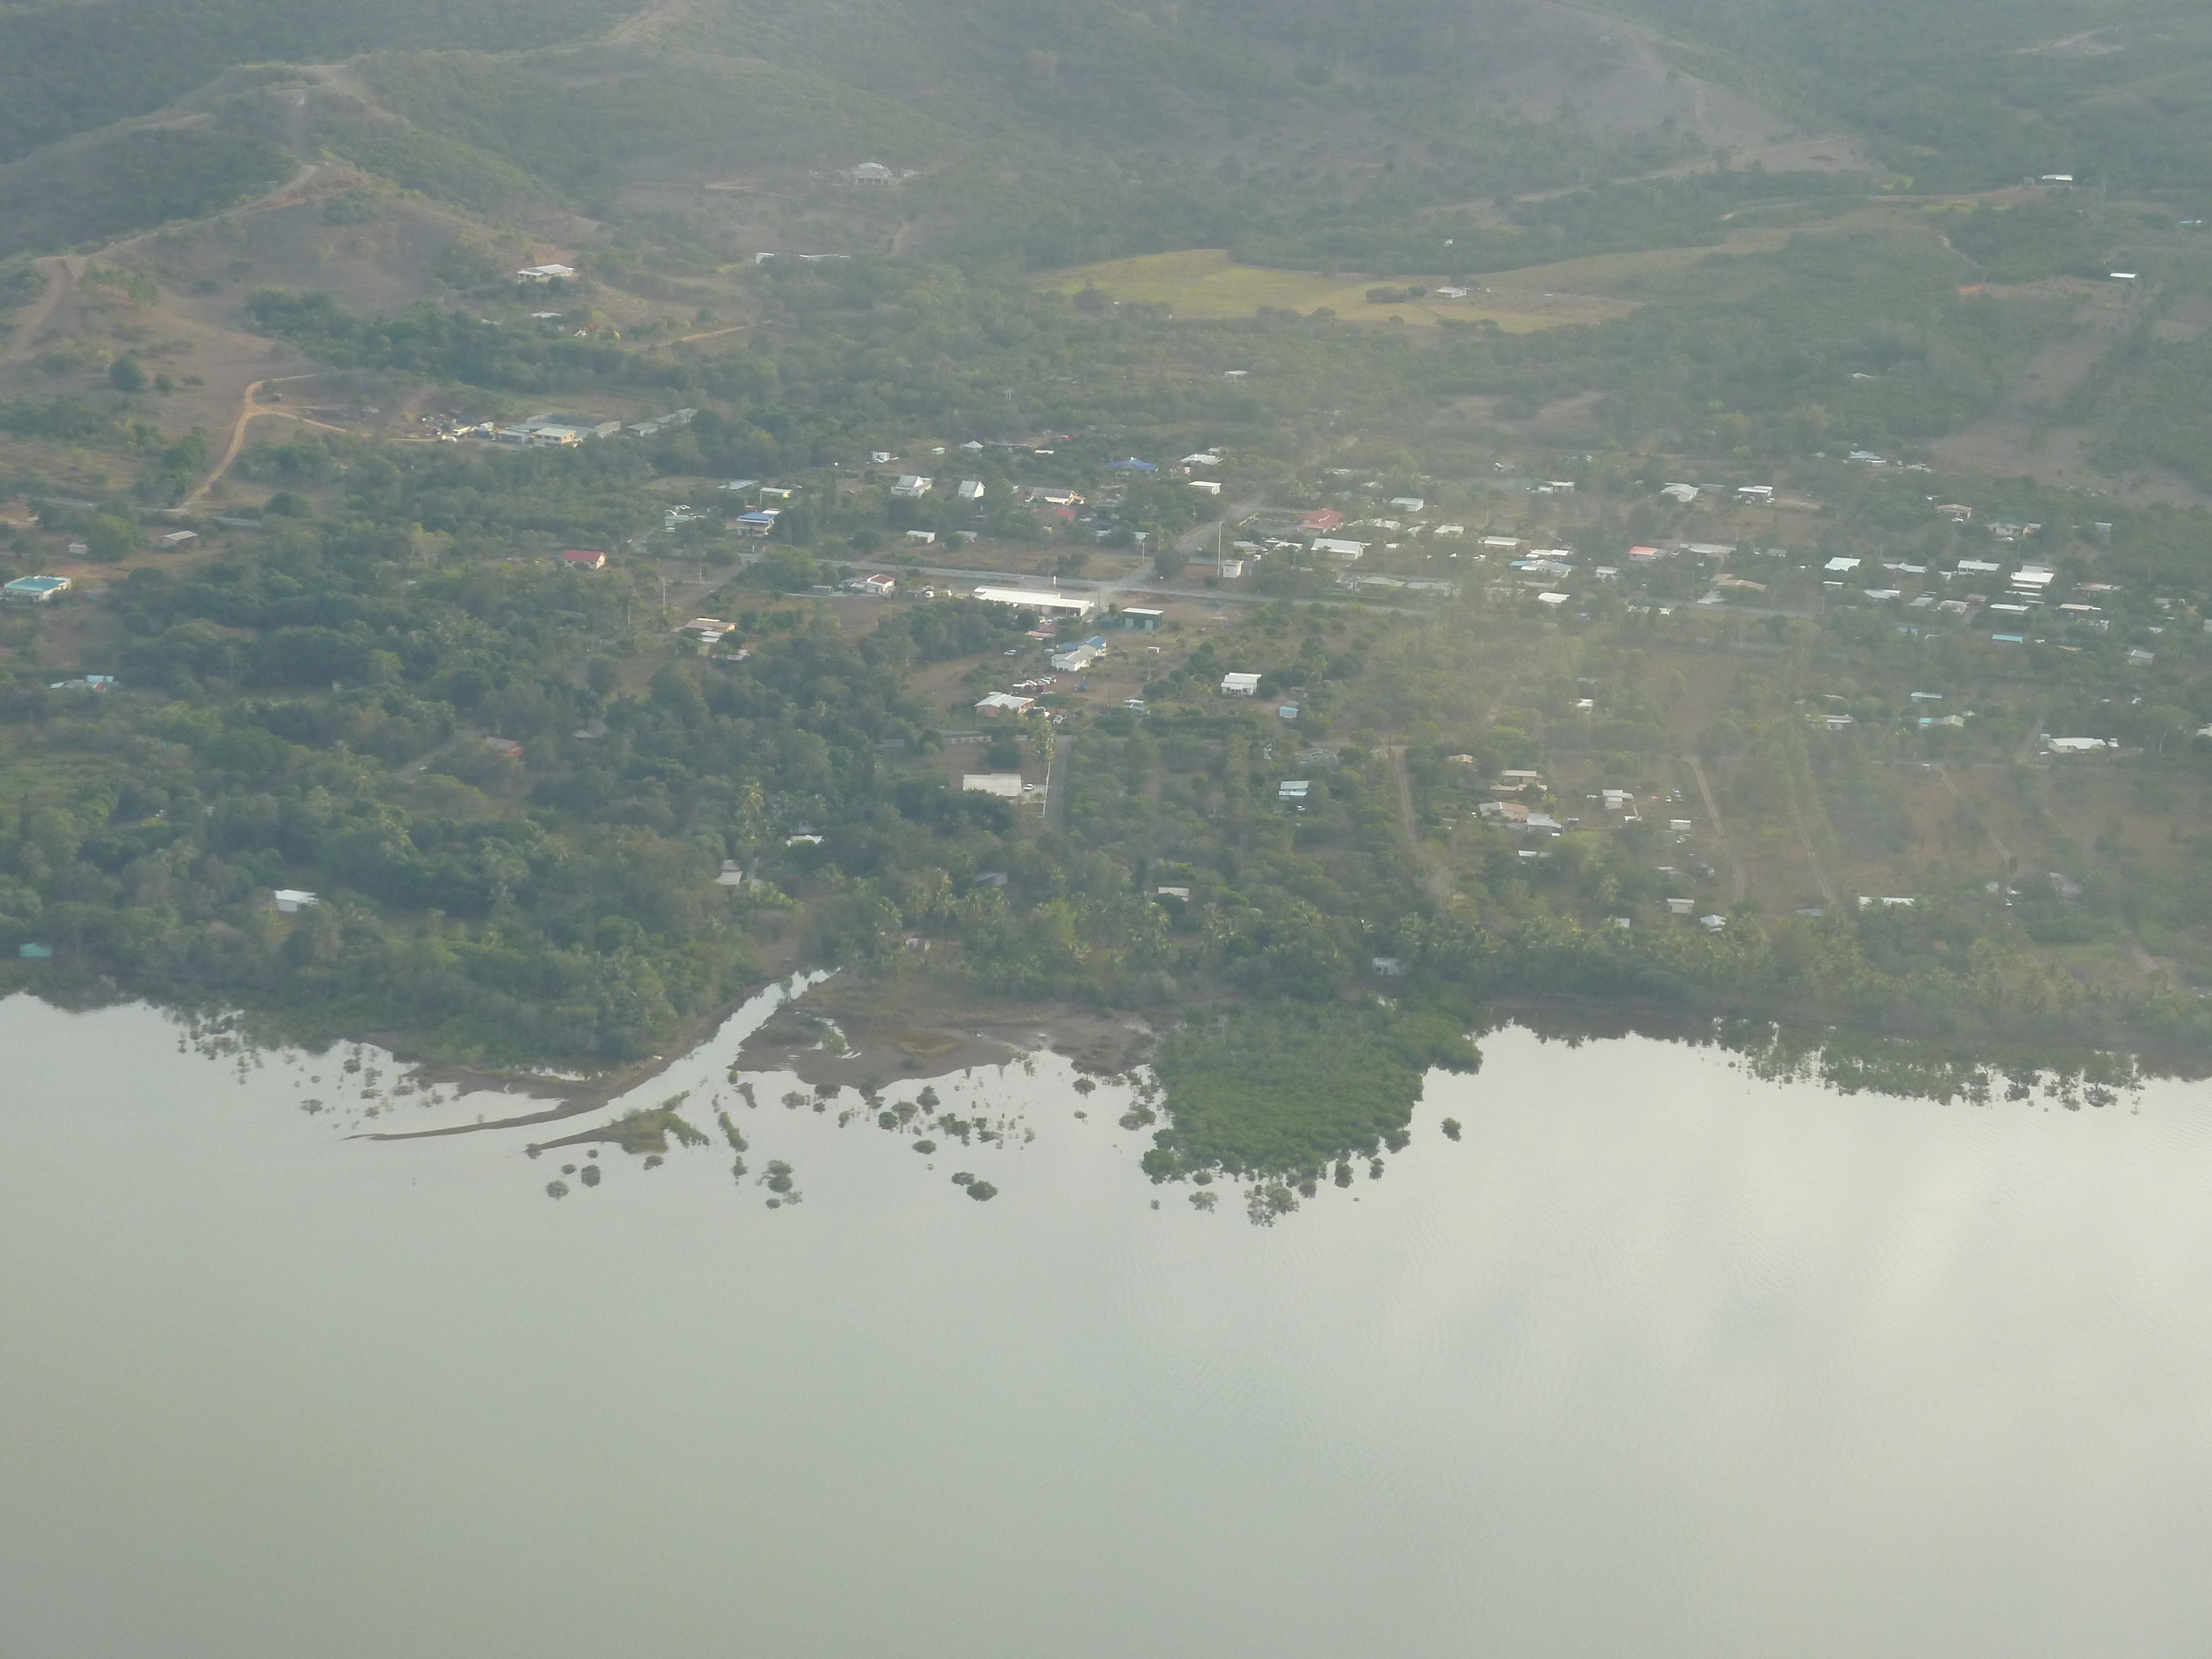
{"x": 870, "y": 172}
{"x": 912, "y": 487}
{"x": 1239, "y": 685}
{"x": 1004, "y": 703}
{"x": 290, "y": 901}
{"x": 543, "y": 273}
{"x": 971, "y": 489}
{"x": 1330, "y": 547}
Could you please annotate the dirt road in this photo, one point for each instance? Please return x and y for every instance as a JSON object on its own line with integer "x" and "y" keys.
{"x": 247, "y": 410}
{"x": 1720, "y": 829}
{"x": 61, "y": 282}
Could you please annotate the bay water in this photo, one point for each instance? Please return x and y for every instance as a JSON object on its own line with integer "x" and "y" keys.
{"x": 1657, "y": 1358}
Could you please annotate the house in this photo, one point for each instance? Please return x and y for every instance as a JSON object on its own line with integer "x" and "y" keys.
{"x": 1451, "y": 293}
{"x": 290, "y": 901}
{"x": 773, "y": 493}
{"x": 870, "y": 172}
{"x": 1681, "y": 907}
{"x": 543, "y": 273}
{"x": 880, "y": 457}
{"x": 708, "y": 629}
{"x": 1005, "y": 785}
{"x": 176, "y": 539}
{"x": 1077, "y": 658}
{"x": 925, "y": 537}
{"x": 1138, "y": 620}
{"x": 35, "y": 590}
{"x": 507, "y": 746}
{"x": 757, "y": 523}
{"x": 912, "y": 487}
{"x": 1407, "y": 503}
{"x": 971, "y": 489}
{"x": 1131, "y": 464}
{"x": 1210, "y": 486}
{"x": 2079, "y": 746}
{"x": 1004, "y": 703}
{"x": 1204, "y": 458}
{"x": 1294, "y": 788}
{"x": 740, "y": 484}
{"x": 1051, "y": 603}
{"x": 1344, "y": 552}
{"x": 1760, "y": 493}
{"x": 1321, "y": 522}
{"x": 1516, "y": 780}
{"x": 878, "y": 585}
{"x": 1288, "y": 711}
{"x": 581, "y": 558}
{"x": 1500, "y": 543}
{"x": 1684, "y": 493}
{"x": 1840, "y": 566}
{"x": 1239, "y": 685}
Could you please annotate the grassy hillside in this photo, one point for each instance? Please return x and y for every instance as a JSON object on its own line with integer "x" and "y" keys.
{"x": 1971, "y": 93}
{"x": 69, "y": 68}
{"x": 125, "y": 180}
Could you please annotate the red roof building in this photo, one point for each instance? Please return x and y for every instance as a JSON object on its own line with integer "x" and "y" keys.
{"x": 1321, "y": 520}
{"x": 584, "y": 560}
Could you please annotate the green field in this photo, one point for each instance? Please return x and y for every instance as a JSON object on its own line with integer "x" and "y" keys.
{"x": 1202, "y": 283}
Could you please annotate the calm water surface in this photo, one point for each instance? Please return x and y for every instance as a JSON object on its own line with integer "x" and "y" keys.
{"x": 1658, "y": 1360}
